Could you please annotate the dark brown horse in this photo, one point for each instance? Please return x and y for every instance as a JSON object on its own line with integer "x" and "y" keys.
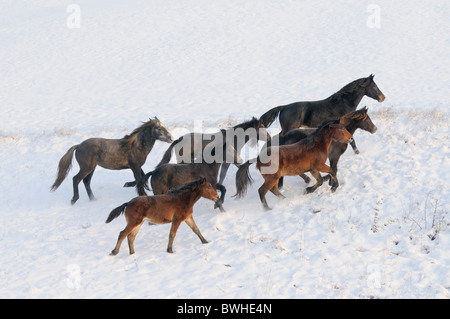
{"x": 175, "y": 207}
{"x": 129, "y": 152}
{"x": 307, "y": 155}
{"x": 352, "y": 121}
{"x": 313, "y": 113}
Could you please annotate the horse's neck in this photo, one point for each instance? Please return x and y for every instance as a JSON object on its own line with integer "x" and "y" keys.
{"x": 215, "y": 166}
{"x": 147, "y": 145}
{"x": 353, "y": 98}
{"x": 323, "y": 141}
{"x": 351, "y": 128}
{"x": 190, "y": 197}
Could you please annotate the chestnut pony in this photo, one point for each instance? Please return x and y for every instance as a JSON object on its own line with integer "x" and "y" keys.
{"x": 307, "y": 155}
{"x": 176, "y": 207}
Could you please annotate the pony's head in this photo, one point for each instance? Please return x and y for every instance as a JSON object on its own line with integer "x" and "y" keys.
{"x": 158, "y": 131}
{"x": 207, "y": 191}
{"x": 371, "y": 89}
{"x": 358, "y": 119}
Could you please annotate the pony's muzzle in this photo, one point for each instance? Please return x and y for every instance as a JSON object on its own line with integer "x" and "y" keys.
{"x": 381, "y": 98}
{"x": 350, "y": 140}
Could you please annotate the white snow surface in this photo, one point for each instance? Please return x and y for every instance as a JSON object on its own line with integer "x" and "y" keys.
{"x": 383, "y": 234}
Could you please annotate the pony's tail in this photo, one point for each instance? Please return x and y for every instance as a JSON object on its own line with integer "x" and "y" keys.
{"x": 168, "y": 154}
{"x": 65, "y": 164}
{"x": 116, "y": 212}
{"x": 271, "y": 115}
{"x": 143, "y": 182}
{"x": 243, "y": 179}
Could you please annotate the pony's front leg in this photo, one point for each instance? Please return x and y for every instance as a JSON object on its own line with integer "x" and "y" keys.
{"x": 335, "y": 183}
{"x": 138, "y": 174}
{"x": 191, "y": 223}
{"x": 354, "y": 147}
{"x": 220, "y": 201}
{"x": 223, "y": 172}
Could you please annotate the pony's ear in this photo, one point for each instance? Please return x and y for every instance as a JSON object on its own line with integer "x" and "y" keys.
{"x": 344, "y": 120}
{"x": 203, "y": 179}
{"x": 367, "y": 81}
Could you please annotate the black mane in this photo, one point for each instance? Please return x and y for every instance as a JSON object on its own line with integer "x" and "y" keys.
{"x": 347, "y": 89}
{"x": 187, "y": 187}
{"x": 310, "y": 139}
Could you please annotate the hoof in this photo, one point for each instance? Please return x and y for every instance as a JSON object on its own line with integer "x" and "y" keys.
{"x": 309, "y": 190}
{"x": 218, "y": 204}
{"x": 113, "y": 253}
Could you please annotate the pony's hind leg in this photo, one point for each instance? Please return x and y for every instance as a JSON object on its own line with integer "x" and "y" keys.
{"x": 131, "y": 236}
{"x": 269, "y": 182}
{"x": 87, "y": 185}
{"x": 129, "y": 229}
{"x": 191, "y": 223}
{"x": 82, "y": 174}
{"x": 319, "y": 182}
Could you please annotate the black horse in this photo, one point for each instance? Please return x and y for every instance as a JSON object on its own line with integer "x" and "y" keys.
{"x": 352, "y": 121}
{"x": 313, "y": 113}
{"x": 129, "y": 152}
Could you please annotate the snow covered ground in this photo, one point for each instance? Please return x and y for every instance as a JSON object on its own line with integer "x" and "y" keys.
{"x": 74, "y": 70}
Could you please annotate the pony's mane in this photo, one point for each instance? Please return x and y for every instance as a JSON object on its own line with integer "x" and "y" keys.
{"x": 141, "y": 128}
{"x": 245, "y": 125}
{"x": 187, "y": 187}
{"x": 310, "y": 140}
{"x": 356, "y": 115}
{"x": 346, "y": 89}
{"x": 134, "y": 135}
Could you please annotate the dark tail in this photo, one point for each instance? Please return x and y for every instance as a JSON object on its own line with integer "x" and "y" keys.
{"x": 144, "y": 181}
{"x": 271, "y": 115}
{"x": 116, "y": 212}
{"x": 65, "y": 164}
{"x": 243, "y": 179}
{"x": 168, "y": 154}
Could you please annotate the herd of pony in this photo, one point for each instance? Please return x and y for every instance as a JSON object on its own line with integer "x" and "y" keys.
{"x": 330, "y": 123}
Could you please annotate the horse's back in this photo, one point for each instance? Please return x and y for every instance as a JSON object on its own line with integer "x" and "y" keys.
{"x": 310, "y": 113}
{"x": 157, "y": 209}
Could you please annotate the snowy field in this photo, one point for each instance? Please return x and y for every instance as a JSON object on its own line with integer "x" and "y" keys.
{"x": 75, "y": 70}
